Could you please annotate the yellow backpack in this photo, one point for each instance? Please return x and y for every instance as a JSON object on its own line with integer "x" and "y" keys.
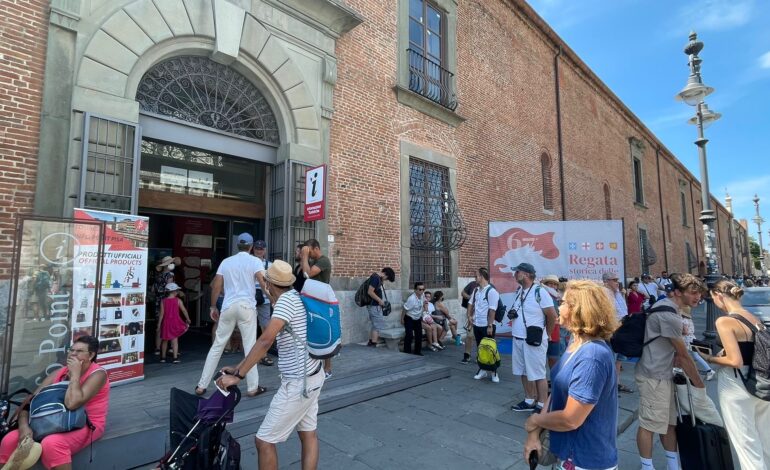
{"x": 488, "y": 357}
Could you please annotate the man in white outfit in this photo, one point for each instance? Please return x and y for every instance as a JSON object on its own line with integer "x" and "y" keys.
{"x": 237, "y": 274}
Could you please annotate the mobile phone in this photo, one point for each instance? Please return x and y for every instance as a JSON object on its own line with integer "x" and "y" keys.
{"x": 701, "y": 349}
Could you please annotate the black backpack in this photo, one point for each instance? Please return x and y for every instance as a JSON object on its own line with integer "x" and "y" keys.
{"x": 628, "y": 340}
{"x": 501, "y": 309}
{"x": 757, "y": 381}
{"x": 362, "y": 298}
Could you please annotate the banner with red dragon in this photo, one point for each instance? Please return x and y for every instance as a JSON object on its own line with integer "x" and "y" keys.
{"x": 571, "y": 249}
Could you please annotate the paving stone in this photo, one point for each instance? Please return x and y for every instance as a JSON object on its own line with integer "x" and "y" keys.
{"x": 343, "y": 437}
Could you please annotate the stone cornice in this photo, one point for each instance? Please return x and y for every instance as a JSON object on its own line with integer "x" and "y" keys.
{"x": 334, "y": 15}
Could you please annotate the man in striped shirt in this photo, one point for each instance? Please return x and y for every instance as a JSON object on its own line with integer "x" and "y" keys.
{"x": 289, "y": 408}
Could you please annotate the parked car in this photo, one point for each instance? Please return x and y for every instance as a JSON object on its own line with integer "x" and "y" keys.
{"x": 757, "y": 301}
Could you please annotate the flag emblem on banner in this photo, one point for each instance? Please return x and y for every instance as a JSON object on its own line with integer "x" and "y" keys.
{"x": 599, "y": 245}
{"x": 586, "y": 246}
{"x": 572, "y": 245}
{"x": 613, "y": 246}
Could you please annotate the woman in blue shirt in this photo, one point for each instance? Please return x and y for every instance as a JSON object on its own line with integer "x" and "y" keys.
{"x": 583, "y": 407}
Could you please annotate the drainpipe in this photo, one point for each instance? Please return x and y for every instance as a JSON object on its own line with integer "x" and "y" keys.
{"x": 694, "y": 230}
{"x": 558, "y": 133}
{"x": 660, "y": 202}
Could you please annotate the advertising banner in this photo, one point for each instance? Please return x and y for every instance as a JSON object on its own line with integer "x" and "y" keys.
{"x": 121, "y": 305}
{"x": 571, "y": 249}
{"x": 38, "y": 330}
{"x": 315, "y": 193}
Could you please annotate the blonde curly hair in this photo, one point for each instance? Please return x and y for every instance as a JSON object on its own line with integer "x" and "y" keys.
{"x": 591, "y": 313}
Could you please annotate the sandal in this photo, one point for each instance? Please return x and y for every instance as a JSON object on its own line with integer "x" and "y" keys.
{"x": 259, "y": 391}
{"x": 622, "y": 388}
{"x": 176, "y": 361}
{"x": 200, "y": 391}
{"x": 432, "y": 348}
{"x": 266, "y": 361}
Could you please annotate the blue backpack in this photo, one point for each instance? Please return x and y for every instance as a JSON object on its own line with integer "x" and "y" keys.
{"x": 323, "y": 319}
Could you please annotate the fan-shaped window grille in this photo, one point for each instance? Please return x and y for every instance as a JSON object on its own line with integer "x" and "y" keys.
{"x": 201, "y": 91}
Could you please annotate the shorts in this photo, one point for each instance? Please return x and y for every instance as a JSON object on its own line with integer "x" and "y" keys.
{"x": 529, "y": 360}
{"x": 657, "y": 409}
{"x": 375, "y": 315}
{"x": 289, "y": 409}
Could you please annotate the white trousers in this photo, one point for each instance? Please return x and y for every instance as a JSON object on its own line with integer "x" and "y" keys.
{"x": 245, "y": 316}
{"x": 747, "y": 420}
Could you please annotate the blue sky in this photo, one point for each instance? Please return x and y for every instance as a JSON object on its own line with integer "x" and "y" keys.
{"x": 636, "y": 48}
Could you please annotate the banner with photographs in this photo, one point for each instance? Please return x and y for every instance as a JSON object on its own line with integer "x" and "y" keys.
{"x": 38, "y": 330}
{"x": 121, "y": 305}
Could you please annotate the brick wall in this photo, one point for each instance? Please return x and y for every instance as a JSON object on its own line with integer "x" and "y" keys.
{"x": 23, "y": 33}
{"x": 506, "y": 91}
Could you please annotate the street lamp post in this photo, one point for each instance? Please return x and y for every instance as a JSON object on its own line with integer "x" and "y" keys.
{"x": 694, "y": 94}
{"x": 759, "y": 221}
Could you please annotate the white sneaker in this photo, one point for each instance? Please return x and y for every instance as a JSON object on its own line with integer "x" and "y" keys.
{"x": 710, "y": 375}
{"x": 480, "y": 375}
{"x": 495, "y": 378}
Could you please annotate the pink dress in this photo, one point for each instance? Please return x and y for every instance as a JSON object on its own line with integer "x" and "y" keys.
{"x": 173, "y": 326}
{"x": 58, "y": 449}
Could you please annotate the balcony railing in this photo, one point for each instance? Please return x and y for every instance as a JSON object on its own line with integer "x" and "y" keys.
{"x": 431, "y": 80}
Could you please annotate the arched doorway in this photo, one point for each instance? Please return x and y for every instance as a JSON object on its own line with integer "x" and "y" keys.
{"x": 209, "y": 140}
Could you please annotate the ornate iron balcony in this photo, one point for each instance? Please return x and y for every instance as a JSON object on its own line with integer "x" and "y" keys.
{"x": 431, "y": 80}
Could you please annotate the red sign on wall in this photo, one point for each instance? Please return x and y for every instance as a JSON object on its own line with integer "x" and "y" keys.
{"x": 315, "y": 193}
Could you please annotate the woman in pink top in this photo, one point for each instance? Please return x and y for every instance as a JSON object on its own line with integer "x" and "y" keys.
{"x": 88, "y": 387}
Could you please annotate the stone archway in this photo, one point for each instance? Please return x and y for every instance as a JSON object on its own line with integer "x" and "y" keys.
{"x": 133, "y": 39}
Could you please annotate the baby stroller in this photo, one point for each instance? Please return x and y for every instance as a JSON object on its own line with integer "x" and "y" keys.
{"x": 197, "y": 432}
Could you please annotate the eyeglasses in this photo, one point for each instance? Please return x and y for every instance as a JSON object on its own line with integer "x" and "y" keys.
{"x": 77, "y": 351}
{"x": 421, "y": 289}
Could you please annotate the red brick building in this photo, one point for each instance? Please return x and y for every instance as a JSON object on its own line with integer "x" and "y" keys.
{"x": 469, "y": 111}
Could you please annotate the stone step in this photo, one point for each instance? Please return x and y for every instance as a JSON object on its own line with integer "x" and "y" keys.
{"x": 146, "y": 446}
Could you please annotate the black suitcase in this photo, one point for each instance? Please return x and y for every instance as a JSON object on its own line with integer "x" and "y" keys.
{"x": 702, "y": 446}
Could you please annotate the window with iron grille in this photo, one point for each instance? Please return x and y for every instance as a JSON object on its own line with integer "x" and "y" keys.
{"x": 428, "y": 75}
{"x": 287, "y": 226}
{"x": 430, "y": 220}
{"x": 108, "y": 179}
{"x": 607, "y": 202}
{"x": 545, "y": 169}
{"x": 644, "y": 250}
{"x": 692, "y": 259}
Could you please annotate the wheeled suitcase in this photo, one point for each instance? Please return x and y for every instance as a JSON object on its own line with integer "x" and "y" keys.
{"x": 702, "y": 446}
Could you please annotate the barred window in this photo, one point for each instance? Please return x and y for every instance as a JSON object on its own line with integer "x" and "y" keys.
{"x": 638, "y": 181}
{"x": 545, "y": 169}
{"x": 429, "y": 195}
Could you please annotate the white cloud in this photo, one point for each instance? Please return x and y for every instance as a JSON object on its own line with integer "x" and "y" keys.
{"x": 764, "y": 60}
{"x": 716, "y": 15}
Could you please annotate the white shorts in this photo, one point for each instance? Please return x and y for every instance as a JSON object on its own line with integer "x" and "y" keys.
{"x": 289, "y": 409}
{"x": 529, "y": 360}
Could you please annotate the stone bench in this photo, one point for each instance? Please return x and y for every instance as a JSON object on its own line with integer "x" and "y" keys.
{"x": 393, "y": 337}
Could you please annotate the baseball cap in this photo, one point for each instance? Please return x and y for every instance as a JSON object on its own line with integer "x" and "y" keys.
{"x": 245, "y": 239}
{"x": 260, "y": 244}
{"x": 525, "y": 268}
{"x": 609, "y": 276}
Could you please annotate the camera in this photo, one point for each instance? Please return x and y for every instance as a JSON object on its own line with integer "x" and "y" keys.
{"x": 513, "y": 313}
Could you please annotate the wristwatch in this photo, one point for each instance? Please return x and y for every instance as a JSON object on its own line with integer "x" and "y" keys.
{"x": 236, "y": 373}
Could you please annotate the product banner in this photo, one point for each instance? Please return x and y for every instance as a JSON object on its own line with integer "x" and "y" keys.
{"x": 571, "y": 249}
{"x": 121, "y": 305}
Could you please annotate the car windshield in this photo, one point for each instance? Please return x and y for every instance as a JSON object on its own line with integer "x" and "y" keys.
{"x": 756, "y": 297}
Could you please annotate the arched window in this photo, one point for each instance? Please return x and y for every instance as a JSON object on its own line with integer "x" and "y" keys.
{"x": 545, "y": 168}
{"x": 607, "y": 202}
{"x": 198, "y": 90}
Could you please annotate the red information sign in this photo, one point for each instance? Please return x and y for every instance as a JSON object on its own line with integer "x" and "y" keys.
{"x": 315, "y": 193}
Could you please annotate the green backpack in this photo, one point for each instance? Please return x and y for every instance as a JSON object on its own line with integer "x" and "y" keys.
{"x": 488, "y": 357}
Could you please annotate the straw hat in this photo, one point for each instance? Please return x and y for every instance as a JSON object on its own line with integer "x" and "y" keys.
{"x": 26, "y": 455}
{"x": 166, "y": 261}
{"x": 550, "y": 278}
{"x": 280, "y": 274}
